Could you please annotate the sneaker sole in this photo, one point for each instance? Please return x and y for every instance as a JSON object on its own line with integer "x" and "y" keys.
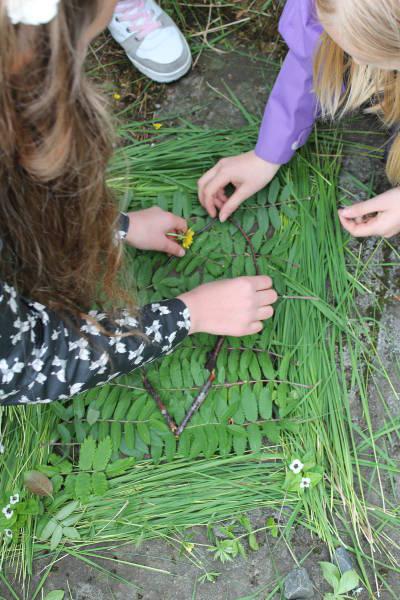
{"x": 163, "y": 77}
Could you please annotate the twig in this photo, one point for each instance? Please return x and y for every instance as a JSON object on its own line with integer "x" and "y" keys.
{"x": 249, "y": 243}
{"x": 154, "y": 394}
{"x": 196, "y": 404}
{"x": 202, "y": 395}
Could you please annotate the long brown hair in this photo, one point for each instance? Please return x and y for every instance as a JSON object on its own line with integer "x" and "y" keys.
{"x": 57, "y": 217}
{"x": 373, "y": 29}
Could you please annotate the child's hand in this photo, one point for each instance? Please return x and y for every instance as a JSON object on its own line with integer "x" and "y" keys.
{"x": 247, "y": 173}
{"x": 232, "y": 306}
{"x": 379, "y": 216}
{"x": 148, "y": 230}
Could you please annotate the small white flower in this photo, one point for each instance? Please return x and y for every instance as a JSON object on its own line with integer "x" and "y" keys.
{"x": 2, "y": 448}
{"x": 7, "y": 511}
{"x": 14, "y": 499}
{"x": 305, "y": 483}
{"x": 8, "y": 533}
{"x": 296, "y": 466}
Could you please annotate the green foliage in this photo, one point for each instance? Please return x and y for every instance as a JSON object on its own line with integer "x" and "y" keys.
{"x": 341, "y": 584}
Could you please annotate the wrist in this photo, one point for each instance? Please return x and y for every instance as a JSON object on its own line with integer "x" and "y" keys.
{"x": 188, "y": 300}
{"x": 270, "y": 167}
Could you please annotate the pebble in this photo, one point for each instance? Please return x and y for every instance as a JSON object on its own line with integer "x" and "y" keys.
{"x": 344, "y": 560}
{"x": 298, "y": 585}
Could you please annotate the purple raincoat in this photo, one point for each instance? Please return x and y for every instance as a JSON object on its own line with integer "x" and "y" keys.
{"x": 292, "y": 106}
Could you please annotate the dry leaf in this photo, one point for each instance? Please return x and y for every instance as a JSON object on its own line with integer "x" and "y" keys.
{"x": 38, "y": 484}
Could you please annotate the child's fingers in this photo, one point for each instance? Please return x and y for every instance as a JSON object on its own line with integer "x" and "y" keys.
{"x": 264, "y": 313}
{"x": 362, "y": 208}
{"x": 217, "y": 183}
{"x": 205, "y": 180}
{"x": 173, "y": 248}
{"x": 211, "y": 207}
{"x": 179, "y": 224}
{"x": 241, "y": 194}
{"x": 360, "y": 229}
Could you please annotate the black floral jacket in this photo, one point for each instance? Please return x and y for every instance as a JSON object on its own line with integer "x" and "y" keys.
{"x": 42, "y": 358}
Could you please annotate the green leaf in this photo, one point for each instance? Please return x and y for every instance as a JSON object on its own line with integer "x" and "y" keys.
{"x": 239, "y": 444}
{"x": 273, "y": 191}
{"x": 237, "y": 431}
{"x": 265, "y": 362}
{"x": 274, "y": 217}
{"x": 254, "y": 434}
{"x": 55, "y": 595}
{"x": 272, "y": 431}
{"x": 102, "y": 454}
{"x": 249, "y": 403}
{"x": 86, "y": 454}
{"x": 56, "y": 537}
{"x": 331, "y": 574}
{"x": 263, "y": 219}
{"x": 64, "y": 433}
{"x": 48, "y": 530}
{"x": 265, "y": 403}
{"x": 211, "y": 434}
{"x": 72, "y": 533}
{"x": 79, "y": 406}
{"x": 255, "y": 371}
{"x": 116, "y": 435}
{"x": 119, "y": 467}
{"x": 123, "y": 405}
{"x": 238, "y": 266}
{"x": 66, "y": 511}
{"x": 273, "y": 527}
{"x": 99, "y": 483}
{"x": 253, "y": 544}
{"x": 245, "y": 361}
{"x": 83, "y": 486}
{"x": 144, "y": 432}
{"x": 348, "y": 582}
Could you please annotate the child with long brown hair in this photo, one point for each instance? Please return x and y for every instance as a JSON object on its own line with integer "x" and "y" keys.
{"x": 65, "y": 323}
{"x": 342, "y": 53}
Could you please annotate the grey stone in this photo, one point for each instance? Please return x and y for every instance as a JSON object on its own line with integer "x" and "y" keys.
{"x": 298, "y": 585}
{"x": 343, "y": 560}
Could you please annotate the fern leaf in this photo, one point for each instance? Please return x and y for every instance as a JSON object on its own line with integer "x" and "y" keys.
{"x": 86, "y": 454}
{"x": 102, "y": 454}
{"x": 83, "y": 486}
{"x": 99, "y": 483}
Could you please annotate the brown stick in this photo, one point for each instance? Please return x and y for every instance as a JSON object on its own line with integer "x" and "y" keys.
{"x": 249, "y": 243}
{"x": 163, "y": 409}
{"x": 196, "y": 404}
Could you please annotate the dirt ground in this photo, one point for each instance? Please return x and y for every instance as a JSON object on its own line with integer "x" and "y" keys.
{"x": 201, "y": 96}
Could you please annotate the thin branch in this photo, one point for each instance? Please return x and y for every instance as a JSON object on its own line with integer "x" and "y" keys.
{"x": 163, "y": 409}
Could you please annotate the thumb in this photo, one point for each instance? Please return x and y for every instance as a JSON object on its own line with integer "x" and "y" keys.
{"x": 173, "y": 248}
{"x": 233, "y": 203}
{"x": 361, "y": 209}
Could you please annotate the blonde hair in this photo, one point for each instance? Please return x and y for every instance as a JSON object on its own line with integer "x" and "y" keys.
{"x": 372, "y": 28}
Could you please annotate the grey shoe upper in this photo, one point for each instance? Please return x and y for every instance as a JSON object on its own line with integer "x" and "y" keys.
{"x": 132, "y": 43}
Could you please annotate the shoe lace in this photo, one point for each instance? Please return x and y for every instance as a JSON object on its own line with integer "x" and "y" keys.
{"x": 140, "y": 19}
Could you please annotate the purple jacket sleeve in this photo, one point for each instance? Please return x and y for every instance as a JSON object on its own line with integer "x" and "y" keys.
{"x": 292, "y": 106}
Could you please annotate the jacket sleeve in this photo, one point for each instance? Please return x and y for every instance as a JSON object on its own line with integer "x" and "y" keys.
{"x": 292, "y": 106}
{"x": 43, "y": 358}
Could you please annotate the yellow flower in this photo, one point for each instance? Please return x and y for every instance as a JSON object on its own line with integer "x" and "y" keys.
{"x": 187, "y": 240}
{"x": 157, "y": 126}
{"x": 117, "y": 96}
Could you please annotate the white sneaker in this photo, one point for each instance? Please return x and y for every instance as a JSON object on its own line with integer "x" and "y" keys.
{"x": 151, "y": 40}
